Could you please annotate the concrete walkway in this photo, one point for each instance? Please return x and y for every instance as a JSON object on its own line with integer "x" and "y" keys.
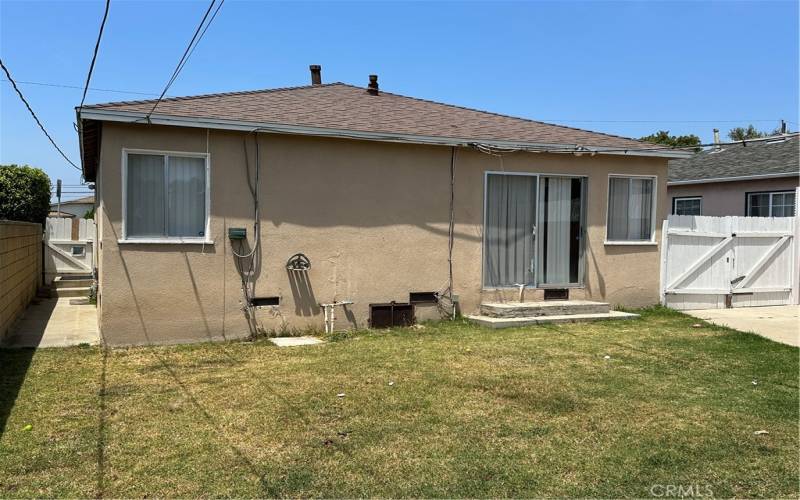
{"x": 55, "y": 323}
{"x": 779, "y": 323}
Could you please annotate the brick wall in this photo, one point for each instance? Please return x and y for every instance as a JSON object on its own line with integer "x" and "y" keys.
{"x": 20, "y": 269}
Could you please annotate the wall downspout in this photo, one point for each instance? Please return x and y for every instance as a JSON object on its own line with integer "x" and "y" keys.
{"x": 451, "y": 230}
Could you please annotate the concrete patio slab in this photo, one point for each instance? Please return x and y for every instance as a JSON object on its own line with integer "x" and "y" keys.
{"x": 295, "y": 341}
{"x": 493, "y": 322}
{"x": 778, "y": 323}
{"x": 55, "y": 323}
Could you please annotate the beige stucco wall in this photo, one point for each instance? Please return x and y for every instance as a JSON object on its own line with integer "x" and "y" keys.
{"x": 20, "y": 269}
{"x": 372, "y": 217}
{"x": 728, "y": 198}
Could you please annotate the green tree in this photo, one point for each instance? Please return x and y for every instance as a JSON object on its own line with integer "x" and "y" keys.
{"x": 742, "y": 133}
{"x": 24, "y": 193}
{"x": 676, "y": 141}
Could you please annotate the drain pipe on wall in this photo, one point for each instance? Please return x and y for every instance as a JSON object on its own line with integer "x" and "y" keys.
{"x": 451, "y": 230}
{"x": 249, "y": 258}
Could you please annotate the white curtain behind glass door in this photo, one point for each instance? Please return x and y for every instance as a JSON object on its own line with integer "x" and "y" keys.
{"x": 508, "y": 229}
{"x": 556, "y": 193}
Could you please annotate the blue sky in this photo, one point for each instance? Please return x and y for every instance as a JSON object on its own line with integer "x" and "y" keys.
{"x": 626, "y": 68}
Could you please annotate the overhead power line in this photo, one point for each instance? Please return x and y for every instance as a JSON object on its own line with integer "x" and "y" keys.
{"x": 36, "y": 118}
{"x": 79, "y": 125}
{"x": 79, "y": 87}
{"x": 94, "y": 55}
{"x": 655, "y": 121}
{"x": 188, "y": 52}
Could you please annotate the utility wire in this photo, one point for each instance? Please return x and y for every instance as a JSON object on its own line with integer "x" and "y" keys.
{"x": 186, "y": 54}
{"x": 95, "y": 89}
{"x": 79, "y": 125}
{"x": 203, "y": 32}
{"x": 654, "y": 121}
{"x": 94, "y": 56}
{"x": 33, "y": 114}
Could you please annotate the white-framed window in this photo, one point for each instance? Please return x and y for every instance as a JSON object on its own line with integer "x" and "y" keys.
{"x": 770, "y": 204}
{"x": 631, "y": 209}
{"x": 687, "y": 205}
{"x": 165, "y": 196}
{"x": 78, "y": 250}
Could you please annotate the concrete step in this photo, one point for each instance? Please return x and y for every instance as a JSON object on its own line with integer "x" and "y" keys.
{"x": 543, "y": 308}
{"x": 493, "y": 322}
{"x": 70, "y": 292}
{"x": 60, "y": 282}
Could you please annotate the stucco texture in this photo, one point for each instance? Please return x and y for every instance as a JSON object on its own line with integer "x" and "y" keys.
{"x": 371, "y": 216}
{"x": 729, "y": 198}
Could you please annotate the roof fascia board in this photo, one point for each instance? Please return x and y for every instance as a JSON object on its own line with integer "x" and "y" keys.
{"x": 733, "y": 179}
{"x": 223, "y": 124}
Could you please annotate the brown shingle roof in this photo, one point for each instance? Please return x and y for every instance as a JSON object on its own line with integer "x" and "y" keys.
{"x": 345, "y": 107}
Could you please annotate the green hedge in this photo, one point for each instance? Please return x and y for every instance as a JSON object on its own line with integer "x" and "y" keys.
{"x": 24, "y": 193}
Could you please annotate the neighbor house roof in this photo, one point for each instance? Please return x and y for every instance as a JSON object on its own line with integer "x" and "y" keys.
{"x": 86, "y": 200}
{"x": 770, "y": 158}
{"x": 342, "y": 110}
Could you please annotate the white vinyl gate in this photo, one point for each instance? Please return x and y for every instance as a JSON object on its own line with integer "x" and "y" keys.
{"x": 68, "y": 247}
{"x": 719, "y": 262}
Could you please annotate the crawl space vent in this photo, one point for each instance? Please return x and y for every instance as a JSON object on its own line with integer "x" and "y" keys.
{"x": 391, "y": 314}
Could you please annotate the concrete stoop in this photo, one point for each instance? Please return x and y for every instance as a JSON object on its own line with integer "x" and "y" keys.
{"x": 71, "y": 286}
{"x": 514, "y": 314}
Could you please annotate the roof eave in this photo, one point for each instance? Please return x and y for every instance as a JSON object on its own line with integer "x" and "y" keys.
{"x": 281, "y": 128}
{"x": 733, "y": 178}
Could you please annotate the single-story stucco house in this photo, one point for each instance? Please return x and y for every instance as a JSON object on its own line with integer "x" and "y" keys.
{"x": 755, "y": 178}
{"x": 220, "y": 214}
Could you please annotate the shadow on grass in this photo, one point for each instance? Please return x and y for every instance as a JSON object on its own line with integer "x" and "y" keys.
{"x": 14, "y": 364}
{"x": 15, "y": 361}
{"x": 169, "y": 368}
{"x": 101, "y": 427}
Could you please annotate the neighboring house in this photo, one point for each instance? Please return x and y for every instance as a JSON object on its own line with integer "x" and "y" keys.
{"x": 75, "y": 208}
{"x": 63, "y": 215}
{"x": 757, "y": 179}
{"x": 365, "y": 184}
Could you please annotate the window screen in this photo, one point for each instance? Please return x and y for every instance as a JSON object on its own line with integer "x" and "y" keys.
{"x": 630, "y": 209}
{"x": 166, "y": 196}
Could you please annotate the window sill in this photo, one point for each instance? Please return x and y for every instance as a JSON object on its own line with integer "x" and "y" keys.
{"x": 531, "y": 287}
{"x": 631, "y": 243}
{"x": 165, "y": 241}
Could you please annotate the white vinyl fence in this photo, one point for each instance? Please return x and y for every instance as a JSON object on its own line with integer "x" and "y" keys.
{"x": 719, "y": 262}
{"x": 68, "y": 247}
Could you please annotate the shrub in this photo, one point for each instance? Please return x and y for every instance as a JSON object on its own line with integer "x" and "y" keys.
{"x": 24, "y": 193}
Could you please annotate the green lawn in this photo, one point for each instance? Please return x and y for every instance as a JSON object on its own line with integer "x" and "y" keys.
{"x": 471, "y": 412}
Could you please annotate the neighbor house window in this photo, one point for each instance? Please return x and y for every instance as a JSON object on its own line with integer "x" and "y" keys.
{"x": 690, "y": 205}
{"x": 771, "y": 204}
{"x": 631, "y": 209}
{"x": 165, "y": 196}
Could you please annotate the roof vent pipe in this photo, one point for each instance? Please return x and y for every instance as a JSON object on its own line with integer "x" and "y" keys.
{"x": 372, "y": 88}
{"x": 316, "y": 74}
{"x": 716, "y": 139}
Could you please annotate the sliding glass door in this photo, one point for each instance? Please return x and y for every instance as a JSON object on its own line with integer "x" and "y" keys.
{"x": 533, "y": 230}
{"x": 560, "y": 238}
{"x": 510, "y": 221}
